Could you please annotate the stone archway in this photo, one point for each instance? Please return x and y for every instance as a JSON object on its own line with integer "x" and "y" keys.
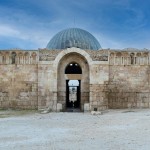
{"x": 62, "y": 77}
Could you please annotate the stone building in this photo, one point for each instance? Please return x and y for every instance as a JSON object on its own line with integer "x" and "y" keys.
{"x": 73, "y": 71}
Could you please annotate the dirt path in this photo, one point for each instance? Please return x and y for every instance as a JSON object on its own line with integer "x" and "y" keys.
{"x": 114, "y": 130}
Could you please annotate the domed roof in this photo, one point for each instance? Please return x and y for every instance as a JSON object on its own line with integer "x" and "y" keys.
{"x": 73, "y": 37}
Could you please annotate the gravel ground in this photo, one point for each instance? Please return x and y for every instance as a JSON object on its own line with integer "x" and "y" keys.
{"x": 114, "y": 130}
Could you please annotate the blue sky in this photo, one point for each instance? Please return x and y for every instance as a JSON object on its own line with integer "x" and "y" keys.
{"x": 30, "y": 24}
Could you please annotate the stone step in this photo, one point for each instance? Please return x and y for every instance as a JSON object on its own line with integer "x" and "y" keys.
{"x": 73, "y": 110}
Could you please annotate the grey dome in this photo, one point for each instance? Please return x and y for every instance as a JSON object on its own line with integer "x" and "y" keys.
{"x": 73, "y": 37}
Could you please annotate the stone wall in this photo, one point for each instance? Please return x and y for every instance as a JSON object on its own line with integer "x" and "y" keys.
{"x": 109, "y": 79}
{"x": 18, "y": 86}
{"x": 128, "y": 85}
{"x": 47, "y": 94}
{"x": 18, "y": 79}
{"x": 99, "y": 75}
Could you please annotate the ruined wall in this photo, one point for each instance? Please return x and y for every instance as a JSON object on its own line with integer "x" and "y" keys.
{"x": 129, "y": 78}
{"x": 18, "y": 79}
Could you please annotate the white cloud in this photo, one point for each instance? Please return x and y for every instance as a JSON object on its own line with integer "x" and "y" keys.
{"x": 6, "y": 30}
{"x": 38, "y": 30}
{"x": 35, "y": 36}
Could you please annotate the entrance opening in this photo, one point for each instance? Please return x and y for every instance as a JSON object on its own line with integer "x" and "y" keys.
{"x": 72, "y": 93}
{"x": 73, "y": 86}
{"x": 73, "y": 68}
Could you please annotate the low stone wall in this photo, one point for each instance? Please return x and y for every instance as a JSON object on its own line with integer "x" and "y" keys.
{"x": 18, "y": 86}
{"x": 98, "y": 97}
{"x": 129, "y": 87}
{"x": 120, "y": 100}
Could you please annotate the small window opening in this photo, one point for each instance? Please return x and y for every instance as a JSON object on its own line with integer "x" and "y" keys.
{"x": 3, "y": 59}
{"x": 135, "y": 60}
{"x": 13, "y": 57}
{"x": 122, "y": 60}
{"x": 132, "y": 58}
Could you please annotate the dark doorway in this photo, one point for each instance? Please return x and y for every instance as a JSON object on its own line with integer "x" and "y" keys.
{"x": 73, "y": 94}
{"x": 73, "y": 87}
{"x": 73, "y": 68}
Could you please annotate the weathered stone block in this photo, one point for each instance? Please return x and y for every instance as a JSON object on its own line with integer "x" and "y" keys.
{"x": 86, "y": 107}
{"x": 96, "y": 113}
{"x": 59, "y": 107}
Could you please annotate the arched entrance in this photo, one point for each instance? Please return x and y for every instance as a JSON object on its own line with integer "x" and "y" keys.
{"x": 73, "y": 81}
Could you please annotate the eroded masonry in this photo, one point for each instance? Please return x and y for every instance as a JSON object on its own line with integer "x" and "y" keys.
{"x": 74, "y": 75}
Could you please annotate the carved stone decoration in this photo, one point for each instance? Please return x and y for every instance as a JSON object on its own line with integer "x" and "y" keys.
{"x": 100, "y": 55}
{"x": 48, "y": 55}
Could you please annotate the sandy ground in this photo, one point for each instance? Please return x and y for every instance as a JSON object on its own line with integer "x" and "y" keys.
{"x": 114, "y": 130}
